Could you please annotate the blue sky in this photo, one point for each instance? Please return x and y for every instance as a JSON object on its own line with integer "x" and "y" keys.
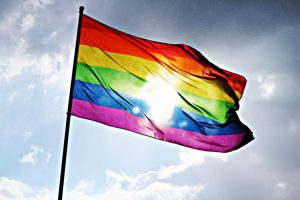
{"x": 258, "y": 39}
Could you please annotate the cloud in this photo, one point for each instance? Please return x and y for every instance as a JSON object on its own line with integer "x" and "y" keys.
{"x": 17, "y": 54}
{"x": 36, "y": 4}
{"x": 49, "y": 156}
{"x": 197, "y": 175}
{"x": 54, "y": 68}
{"x": 189, "y": 158}
{"x": 35, "y": 154}
{"x": 156, "y": 190}
{"x": 32, "y": 157}
{"x": 27, "y": 135}
{"x": 267, "y": 85}
{"x": 24, "y": 12}
{"x": 19, "y": 62}
{"x": 49, "y": 38}
{"x": 27, "y": 22}
{"x": 281, "y": 185}
{"x": 11, "y": 189}
{"x": 144, "y": 186}
{"x": 7, "y": 24}
{"x": 31, "y": 86}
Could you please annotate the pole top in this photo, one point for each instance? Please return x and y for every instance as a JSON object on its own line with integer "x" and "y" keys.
{"x": 81, "y": 8}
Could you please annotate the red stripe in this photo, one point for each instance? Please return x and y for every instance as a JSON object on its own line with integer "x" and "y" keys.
{"x": 96, "y": 34}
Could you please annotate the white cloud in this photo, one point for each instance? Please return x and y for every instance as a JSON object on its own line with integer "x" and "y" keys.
{"x": 43, "y": 194}
{"x": 27, "y": 135}
{"x": 189, "y": 158}
{"x": 13, "y": 63}
{"x": 9, "y": 21}
{"x": 27, "y": 22}
{"x": 144, "y": 186}
{"x": 157, "y": 184}
{"x": 156, "y": 190}
{"x": 49, "y": 156}
{"x": 11, "y": 189}
{"x": 36, "y": 4}
{"x": 37, "y": 152}
{"x": 195, "y": 157}
{"x": 16, "y": 55}
{"x": 281, "y": 185}
{"x": 281, "y": 191}
{"x": 53, "y": 34}
{"x": 54, "y": 68}
{"x": 31, "y": 86}
{"x": 25, "y": 11}
{"x": 50, "y": 37}
{"x": 32, "y": 157}
{"x": 267, "y": 85}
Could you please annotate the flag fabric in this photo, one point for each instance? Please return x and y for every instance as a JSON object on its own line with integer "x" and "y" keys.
{"x": 170, "y": 92}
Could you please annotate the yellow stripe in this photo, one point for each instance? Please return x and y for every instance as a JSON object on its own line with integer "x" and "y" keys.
{"x": 212, "y": 89}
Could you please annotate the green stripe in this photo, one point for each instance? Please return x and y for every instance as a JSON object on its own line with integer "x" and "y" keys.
{"x": 130, "y": 84}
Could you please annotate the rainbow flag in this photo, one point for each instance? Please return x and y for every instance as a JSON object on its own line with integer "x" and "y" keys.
{"x": 170, "y": 92}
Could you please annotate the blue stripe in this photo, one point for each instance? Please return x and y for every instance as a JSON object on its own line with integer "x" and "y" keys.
{"x": 181, "y": 118}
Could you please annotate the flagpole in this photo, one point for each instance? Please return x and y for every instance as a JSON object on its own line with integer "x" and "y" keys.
{"x": 65, "y": 148}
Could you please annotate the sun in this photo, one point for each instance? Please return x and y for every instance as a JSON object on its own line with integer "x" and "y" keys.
{"x": 161, "y": 98}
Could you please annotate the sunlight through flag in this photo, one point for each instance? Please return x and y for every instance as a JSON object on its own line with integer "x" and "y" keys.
{"x": 170, "y": 92}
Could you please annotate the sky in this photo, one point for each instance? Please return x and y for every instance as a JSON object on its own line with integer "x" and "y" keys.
{"x": 257, "y": 39}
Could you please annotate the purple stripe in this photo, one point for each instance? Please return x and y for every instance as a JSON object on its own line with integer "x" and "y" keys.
{"x": 123, "y": 119}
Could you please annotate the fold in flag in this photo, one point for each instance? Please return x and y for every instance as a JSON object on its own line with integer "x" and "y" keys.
{"x": 170, "y": 92}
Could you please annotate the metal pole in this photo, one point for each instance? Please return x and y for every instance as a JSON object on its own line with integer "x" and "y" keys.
{"x": 65, "y": 148}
